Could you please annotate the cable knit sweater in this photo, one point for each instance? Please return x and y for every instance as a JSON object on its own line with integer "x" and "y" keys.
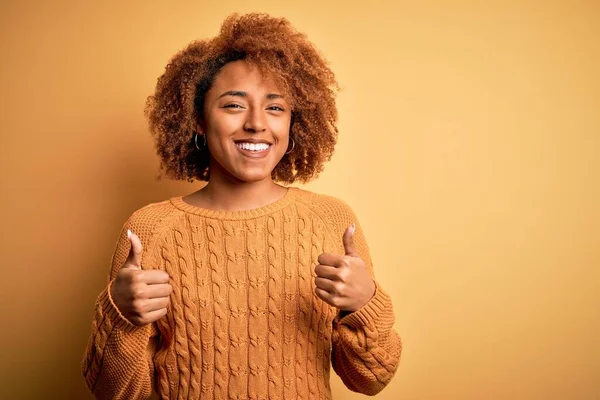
{"x": 243, "y": 320}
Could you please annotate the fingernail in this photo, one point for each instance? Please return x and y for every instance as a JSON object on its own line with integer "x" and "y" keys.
{"x": 128, "y": 234}
{"x": 352, "y": 228}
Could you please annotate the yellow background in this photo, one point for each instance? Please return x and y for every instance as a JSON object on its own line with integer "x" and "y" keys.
{"x": 469, "y": 148}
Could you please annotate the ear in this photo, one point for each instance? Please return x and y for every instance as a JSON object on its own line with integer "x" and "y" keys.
{"x": 200, "y": 124}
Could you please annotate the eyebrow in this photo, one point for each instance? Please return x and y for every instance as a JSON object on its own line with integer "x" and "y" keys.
{"x": 239, "y": 93}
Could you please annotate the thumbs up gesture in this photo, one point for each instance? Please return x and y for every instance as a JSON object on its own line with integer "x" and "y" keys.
{"x": 142, "y": 296}
{"x": 343, "y": 280}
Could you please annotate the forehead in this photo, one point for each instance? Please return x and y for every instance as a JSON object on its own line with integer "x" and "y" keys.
{"x": 239, "y": 75}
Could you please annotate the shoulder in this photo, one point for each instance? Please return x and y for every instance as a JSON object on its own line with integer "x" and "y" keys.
{"x": 147, "y": 220}
{"x": 153, "y": 212}
{"x": 329, "y": 208}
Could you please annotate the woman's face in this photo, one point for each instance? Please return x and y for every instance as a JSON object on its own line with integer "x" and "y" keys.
{"x": 246, "y": 122}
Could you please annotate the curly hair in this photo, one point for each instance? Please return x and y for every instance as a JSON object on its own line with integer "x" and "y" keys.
{"x": 277, "y": 49}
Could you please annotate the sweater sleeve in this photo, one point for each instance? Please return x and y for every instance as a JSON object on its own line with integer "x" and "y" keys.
{"x": 365, "y": 348}
{"x": 118, "y": 361}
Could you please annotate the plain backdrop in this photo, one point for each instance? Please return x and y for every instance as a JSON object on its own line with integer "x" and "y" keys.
{"x": 469, "y": 148}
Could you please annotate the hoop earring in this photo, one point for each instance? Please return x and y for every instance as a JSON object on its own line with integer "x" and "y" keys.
{"x": 196, "y": 141}
{"x": 293, "y": 145}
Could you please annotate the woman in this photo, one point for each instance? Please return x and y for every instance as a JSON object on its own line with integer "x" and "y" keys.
{"x": 245, "y": 288}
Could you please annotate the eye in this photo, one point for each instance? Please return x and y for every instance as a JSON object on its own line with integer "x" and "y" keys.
{"x": 275, "y": 108}
{"x": 234, "y": 106}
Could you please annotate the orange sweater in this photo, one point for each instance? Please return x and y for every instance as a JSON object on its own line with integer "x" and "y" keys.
{"x": 243, "y": 322}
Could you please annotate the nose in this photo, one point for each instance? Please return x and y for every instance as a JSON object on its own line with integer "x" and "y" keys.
{"x": 255, "y": 121}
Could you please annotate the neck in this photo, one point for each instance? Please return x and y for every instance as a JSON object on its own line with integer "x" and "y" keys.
{"x": 223, "y": 193}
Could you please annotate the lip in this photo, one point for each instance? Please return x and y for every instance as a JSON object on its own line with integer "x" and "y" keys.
{"x": 254, "y": 154}
{"x": 252, "y": 140}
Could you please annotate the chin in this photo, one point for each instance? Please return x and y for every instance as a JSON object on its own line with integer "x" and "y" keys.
{"x": 252, "y": 176}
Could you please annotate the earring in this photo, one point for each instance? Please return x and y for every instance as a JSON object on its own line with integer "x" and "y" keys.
{"x": 196, "y": 141}
{"x": 293, "y": 145}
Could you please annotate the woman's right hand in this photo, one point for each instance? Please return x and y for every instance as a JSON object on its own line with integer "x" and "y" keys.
{"x": 142, "y": 296}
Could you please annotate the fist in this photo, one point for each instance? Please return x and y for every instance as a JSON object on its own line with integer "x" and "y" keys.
{"x": 142, "y": 296}
{"x": 343, "y": 280}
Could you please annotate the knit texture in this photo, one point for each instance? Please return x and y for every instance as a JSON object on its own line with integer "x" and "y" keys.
{"x": 243, "y": 320}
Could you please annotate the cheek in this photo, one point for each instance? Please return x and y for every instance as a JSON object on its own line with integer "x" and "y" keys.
{"x": 281, "y": 129}
{"x": 223, "y": 126}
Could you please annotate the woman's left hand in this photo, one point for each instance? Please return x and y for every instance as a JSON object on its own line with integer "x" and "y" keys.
{"x": 343, "y": 280}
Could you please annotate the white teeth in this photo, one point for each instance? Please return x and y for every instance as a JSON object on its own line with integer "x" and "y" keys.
{"x": 253, "y": 146}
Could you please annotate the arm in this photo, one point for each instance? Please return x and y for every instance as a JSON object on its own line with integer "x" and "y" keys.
{"x": 365, "y": 348}
{"x": 118, "y": 361}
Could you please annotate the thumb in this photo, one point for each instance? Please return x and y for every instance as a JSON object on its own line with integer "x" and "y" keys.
{"x": 135, "y": 253}
{"x": 348, "y": 240}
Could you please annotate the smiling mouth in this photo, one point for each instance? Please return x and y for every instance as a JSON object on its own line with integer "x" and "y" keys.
{"x": 254, "y": 147}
